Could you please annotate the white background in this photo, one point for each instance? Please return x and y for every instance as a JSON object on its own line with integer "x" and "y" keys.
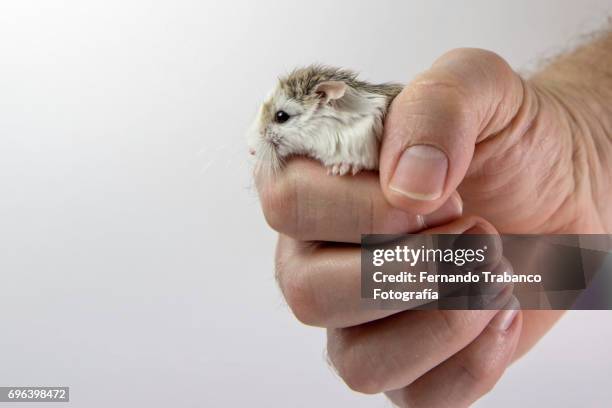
{"x": 135, "y": 264}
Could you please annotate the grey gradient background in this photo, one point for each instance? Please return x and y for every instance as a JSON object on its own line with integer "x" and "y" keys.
{"x": 135, "y": 264}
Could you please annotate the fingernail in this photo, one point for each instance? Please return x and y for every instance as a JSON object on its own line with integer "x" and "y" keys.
{"x": 476, "y": 230}
{"x": 451, "y": 209}
{"x": 420, "y": 173}
{"x": 505, "y": 317}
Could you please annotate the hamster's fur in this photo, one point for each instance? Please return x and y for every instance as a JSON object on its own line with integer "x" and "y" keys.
{"x": 325, "y": 113}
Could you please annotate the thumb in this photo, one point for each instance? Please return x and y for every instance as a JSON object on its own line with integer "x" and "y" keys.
{"x": 435, "y": 123}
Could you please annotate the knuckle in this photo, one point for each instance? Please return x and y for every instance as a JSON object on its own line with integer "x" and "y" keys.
{"x": 466, "y": 84}
{"x": 300, "y": 296}
{"x": 409, "y": 398}
{"x": 454, "y": 326}
{"x": 363, "y": 383}
{"x": 489, "y": 60}
{"x": 474, "y": 54}
{"x": 476, "y": 58}
{"x": 440, "y": 85}
{"x": 441, "y": 94}
{"x": 279, "y": 200}
{"x": 482, "y": 372}
{"x": 352, "y": 364}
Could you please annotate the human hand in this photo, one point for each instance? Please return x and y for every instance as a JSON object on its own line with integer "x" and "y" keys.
{"x": 493, "y": 118}
{"x": 531, "y": 156}
{"x": 432, "y": 356}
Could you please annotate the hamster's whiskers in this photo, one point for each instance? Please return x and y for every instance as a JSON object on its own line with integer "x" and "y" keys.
{"x": 269, "y": 162}
{"x": 325, "y": 113}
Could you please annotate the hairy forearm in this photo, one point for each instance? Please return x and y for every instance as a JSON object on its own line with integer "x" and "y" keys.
{"x": 576, "y": 91}
{"x": 588, "y": 67}
{"x": 580, "y": 85}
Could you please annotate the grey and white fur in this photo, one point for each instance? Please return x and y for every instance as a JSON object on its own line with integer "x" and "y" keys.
{"x": 325, "y": 113}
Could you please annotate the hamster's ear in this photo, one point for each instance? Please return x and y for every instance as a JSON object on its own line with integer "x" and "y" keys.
{"x": 330, "y": 90}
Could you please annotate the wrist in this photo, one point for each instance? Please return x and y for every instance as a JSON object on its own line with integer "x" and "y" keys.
{"x": 576, "y": 113}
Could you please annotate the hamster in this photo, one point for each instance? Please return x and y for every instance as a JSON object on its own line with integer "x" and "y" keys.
{"x": 325, "y": 113}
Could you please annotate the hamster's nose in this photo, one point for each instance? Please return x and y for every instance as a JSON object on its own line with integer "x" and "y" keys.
{"x": 252, "y": 151}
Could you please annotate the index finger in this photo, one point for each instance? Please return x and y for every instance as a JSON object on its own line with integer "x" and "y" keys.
{"x": 305, "y": 203}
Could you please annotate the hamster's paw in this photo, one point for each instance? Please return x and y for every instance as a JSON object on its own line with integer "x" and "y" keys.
{"x": 340, "y": 169}
{"x": 337, "y": 169}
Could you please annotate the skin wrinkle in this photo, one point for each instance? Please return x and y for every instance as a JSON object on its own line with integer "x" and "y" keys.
{"x": 492, "y": 95}
{"x": 321, "y": 299}
{"x": 451, "y": 331}
{"x": 422, "y": 126}
{"x": 383, "y": 372}
{"x": 580, "y": 134}
{"x": 477, "y": 378}
{"x": 582, "y": 82}
{"x": 346, "y": 349}
{"x": 458, "y": 110}
{"x": 298, "y": 208}
{"x": 425, "y": 91}
{"x": 467, "y": 371}
{"x": 548, "y": 188}
{"x": 462, "y": 384}
{"x": 366, "y": 222}
{"x": 422, "y": 89}
{"x": 279, "y": 264}
{"x": 600, "y": 145}
{"x": 396, "y": 363}
{"x": 524, "y": 128}
{"x": 284, "y": 264}
{"x": 490, "y": 115}
{"x": 498, "y": 196}
{"x": 540, "y": 174}
{"x": 520, "y": 123}
{"x": 592, "y": 127}
{"x": 496, "y": 359}
{"x": 371, "y": 218}
{"x": 489, "y": 118}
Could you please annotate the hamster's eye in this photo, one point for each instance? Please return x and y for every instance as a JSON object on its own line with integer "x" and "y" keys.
{"x": 281, "y": 116}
